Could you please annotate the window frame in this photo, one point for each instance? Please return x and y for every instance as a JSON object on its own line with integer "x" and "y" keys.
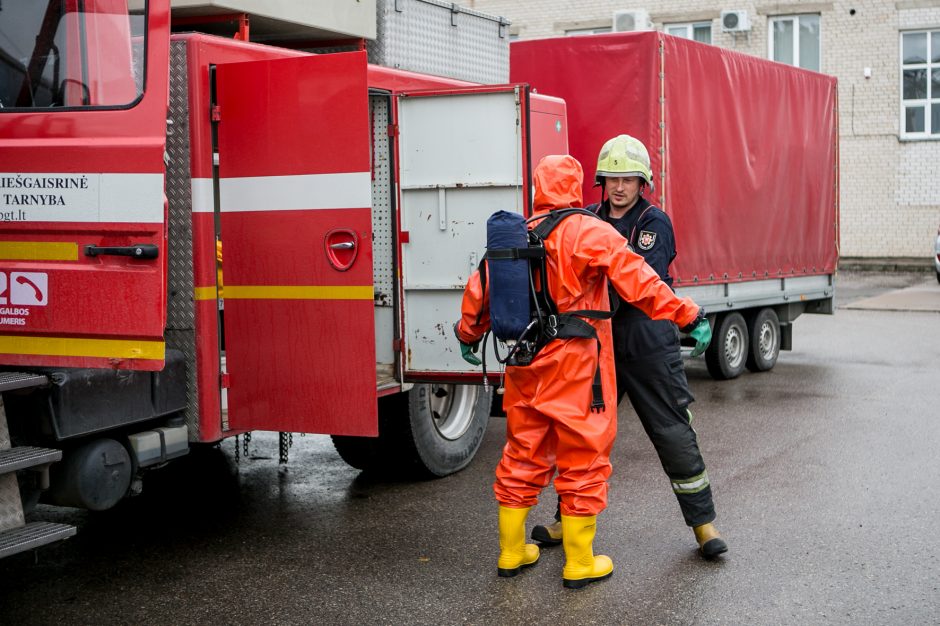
{"x": 690, "y": 30}
{"x": 931, "y": 99}
{"x": 144, "y": 13}
{"x": 794, "y": 18}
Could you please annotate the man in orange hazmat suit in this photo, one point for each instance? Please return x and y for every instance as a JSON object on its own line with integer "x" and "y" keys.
{"x": 550, "y": 422}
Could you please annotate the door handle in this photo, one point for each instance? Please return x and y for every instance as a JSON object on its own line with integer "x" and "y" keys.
{"x": 343, "y": 245}
{"x": 137, "y": 251}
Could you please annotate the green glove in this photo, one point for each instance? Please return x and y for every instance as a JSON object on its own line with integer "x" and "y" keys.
{"x": 702, "y": 334}
{"x": 468, "y": 350}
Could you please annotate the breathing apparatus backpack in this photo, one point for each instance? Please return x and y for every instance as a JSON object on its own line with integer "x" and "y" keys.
{"x": 522, "y": 313}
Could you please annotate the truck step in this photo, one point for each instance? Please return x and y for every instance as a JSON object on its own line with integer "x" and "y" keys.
{"x": 31, "y": 536}
{"x": 22, "y": 457}
{"x": 20, "y": 380}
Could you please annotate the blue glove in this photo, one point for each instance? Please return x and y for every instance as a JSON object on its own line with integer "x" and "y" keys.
{"x": 468, "y": 350}
{"x": 702, "y": 334}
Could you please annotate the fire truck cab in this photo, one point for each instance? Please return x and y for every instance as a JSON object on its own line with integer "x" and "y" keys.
{"x": 202, "y": 237}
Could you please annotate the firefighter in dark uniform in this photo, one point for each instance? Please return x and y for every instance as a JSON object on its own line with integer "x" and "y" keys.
{"x": 649, "y": 362}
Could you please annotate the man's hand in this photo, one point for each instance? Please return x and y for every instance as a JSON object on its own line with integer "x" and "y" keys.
{"x": 468, "y": 350}
{"x": 702, "y": 334}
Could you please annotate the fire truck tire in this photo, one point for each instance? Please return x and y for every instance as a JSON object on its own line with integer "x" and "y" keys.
{"x": 433, "y": 430}
{"x": 764, "y": 334}
{"x": 447, "y": 424}
{"x": 727, "y": 354}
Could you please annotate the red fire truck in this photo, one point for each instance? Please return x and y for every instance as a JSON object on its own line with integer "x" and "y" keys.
{"x": 202, "y": 237}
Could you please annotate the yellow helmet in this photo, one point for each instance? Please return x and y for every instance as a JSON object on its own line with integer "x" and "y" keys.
{"x": 623, "y": 155}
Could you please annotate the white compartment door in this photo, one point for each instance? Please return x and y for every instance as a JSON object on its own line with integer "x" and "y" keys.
{"x": 463, "y": 156}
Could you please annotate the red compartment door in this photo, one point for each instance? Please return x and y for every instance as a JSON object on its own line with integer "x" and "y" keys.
{"x": 295, "y": 196}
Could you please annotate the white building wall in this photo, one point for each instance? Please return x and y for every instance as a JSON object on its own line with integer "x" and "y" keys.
{"x": 890, "y": 188}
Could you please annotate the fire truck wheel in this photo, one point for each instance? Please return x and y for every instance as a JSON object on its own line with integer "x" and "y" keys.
{"x": 727, "y": 353}
{"x": 433, "y": 430}
{"x": 764, "y": 331}
{"x": 447, "y": 425}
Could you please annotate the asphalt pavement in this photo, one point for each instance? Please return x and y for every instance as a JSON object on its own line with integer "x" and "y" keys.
{"x": 824, "y": 469}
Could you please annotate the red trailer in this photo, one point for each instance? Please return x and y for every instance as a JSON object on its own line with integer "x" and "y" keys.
{"x": 202, "y": 237}
{"x": 745, "y": 162}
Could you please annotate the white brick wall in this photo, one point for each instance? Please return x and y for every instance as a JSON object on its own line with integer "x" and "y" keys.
{"x": 890, "y": 189}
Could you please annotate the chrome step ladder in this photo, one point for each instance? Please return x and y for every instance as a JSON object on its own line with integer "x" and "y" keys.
{"x": 15, "y": 534}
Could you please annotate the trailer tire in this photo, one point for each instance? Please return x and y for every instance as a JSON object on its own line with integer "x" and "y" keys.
{"x": 727, "y": 354}
{"x": 764, "y": 335}
{"x": 431, "y": 431}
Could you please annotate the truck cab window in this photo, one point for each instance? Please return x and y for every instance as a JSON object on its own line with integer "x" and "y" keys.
{"x": 70, "y": 53}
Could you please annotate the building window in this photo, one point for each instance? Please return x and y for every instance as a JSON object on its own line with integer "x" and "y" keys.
{"x": 920, "y": 84}
{"x": 699, "y": 31}
{"x": 577, "y": 32}
{"x": 794, "y": 39}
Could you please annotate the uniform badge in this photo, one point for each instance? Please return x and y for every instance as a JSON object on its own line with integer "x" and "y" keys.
{"x": 646, "y": 240}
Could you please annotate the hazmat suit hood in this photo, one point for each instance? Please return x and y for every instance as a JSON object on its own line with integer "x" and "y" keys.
{"x": 558, "y": 181}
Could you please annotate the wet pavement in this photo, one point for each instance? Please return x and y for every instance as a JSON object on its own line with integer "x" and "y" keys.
{"x": 825, "y": 477}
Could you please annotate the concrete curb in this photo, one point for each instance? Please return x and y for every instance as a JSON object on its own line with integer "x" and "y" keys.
{"x": 886, "y": 264}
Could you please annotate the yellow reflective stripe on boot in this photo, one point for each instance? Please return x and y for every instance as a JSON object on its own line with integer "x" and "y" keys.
{"x": 691, "y": 485}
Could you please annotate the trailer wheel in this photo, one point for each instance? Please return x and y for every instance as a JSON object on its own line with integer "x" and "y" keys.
{"x": 433, "y": 430}
{"x": 727, "y": 354}
{"x": 764, "y": 335}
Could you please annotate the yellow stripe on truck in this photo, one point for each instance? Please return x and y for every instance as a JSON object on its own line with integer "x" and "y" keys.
{"x": 100, "y": 348}
{"x": 264, "y": 292}
{"x": 38, "y": 251}
{"x": 205, "y": 293}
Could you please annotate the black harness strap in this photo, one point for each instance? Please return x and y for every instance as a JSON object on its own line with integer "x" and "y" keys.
{"x": 553, "y": 324}
{"x": 568, "y": 325}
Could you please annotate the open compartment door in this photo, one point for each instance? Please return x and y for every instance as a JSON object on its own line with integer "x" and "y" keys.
{"x": 295, "y": 195}
{"x": 464, "y": 155}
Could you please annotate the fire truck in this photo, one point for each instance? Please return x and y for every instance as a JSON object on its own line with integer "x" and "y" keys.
{"x": 202, "y": 237}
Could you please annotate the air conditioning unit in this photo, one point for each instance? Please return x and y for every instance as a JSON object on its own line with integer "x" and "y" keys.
{"x": 735, "y": 22}
{"x": 629, "y": 21}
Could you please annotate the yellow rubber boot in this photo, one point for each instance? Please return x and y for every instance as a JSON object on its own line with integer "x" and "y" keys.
{"x": 514, "y": 552}
{"x": 581, "y": 566}
{"x": 710, "y": 544}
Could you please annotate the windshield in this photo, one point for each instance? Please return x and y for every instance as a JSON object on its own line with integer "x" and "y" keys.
{"x": 71, "y": 53}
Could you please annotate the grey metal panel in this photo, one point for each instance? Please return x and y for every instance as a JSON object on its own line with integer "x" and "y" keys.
{"x": 453, "y": 176}
{"x": 428, "y": 36}
{"x": 383, "y": 253}
{"x": 383, "y": 226}
{"x": 181, "y": 313}
{"x": 759, "y": 293}
{"x": 11, "y": 506}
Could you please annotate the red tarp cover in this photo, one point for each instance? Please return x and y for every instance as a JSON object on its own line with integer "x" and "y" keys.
{"x": 746, "y": 165}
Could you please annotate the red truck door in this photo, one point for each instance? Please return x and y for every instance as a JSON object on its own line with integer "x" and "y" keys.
{"x": 83, "y": 107}
{"x": 295, "y": 195}
{"x": 464, "y": 155}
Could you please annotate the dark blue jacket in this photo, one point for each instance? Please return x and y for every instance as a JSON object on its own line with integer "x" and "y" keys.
{"x": 649, "y": 232}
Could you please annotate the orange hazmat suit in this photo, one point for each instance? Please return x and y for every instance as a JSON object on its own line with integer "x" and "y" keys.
{"x": 549, "y": 422}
